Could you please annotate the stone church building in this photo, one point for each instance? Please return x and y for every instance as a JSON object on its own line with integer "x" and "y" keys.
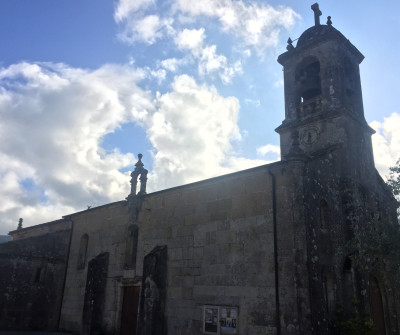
{"x": 252, "y": 252}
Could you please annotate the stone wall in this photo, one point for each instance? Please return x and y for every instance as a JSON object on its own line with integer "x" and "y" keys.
{"x": 32, "y": 273}
{"x": 262, "y": 242}
{"x": 106, "y": 231}
{"x": 220, "y": 240}
{"x": 41, "y": 229}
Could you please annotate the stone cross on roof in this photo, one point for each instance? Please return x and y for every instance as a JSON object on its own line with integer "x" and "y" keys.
{"x": 317, "y": 13}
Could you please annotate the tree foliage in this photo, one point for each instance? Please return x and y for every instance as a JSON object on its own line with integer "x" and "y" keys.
{"x": 376, "y": 247}
{"x": 393, "y": 181}
{"x": 354, "y": 324}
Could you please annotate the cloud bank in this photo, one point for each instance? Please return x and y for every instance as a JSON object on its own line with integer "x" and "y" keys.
{"x": 386, "y": 142}
{"x": 53, "y": 119}
{"x": 254, "y": 27}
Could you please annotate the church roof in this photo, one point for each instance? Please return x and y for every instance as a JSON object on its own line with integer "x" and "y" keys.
{"x": 318, "y": 32}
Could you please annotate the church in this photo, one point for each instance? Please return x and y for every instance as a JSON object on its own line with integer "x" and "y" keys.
{"x": 253, "y": 252}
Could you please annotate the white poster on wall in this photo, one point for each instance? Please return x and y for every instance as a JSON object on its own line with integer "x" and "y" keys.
{"x": 220, "y": 320}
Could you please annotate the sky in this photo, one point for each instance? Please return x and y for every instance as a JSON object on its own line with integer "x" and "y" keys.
{"x": 86, "y": 85}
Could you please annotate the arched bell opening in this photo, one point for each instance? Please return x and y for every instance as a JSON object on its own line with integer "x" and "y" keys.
{"x": 308, "y": 80}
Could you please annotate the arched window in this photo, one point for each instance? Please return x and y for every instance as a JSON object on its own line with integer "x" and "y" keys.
{"x": 82, "y": 252}
{"x": 376, "y": 304}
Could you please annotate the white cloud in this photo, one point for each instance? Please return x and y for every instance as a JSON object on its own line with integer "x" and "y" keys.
{"x": 191, "y": 39}
{"x": 172, "y": 64}
{"x": 209, "y": 61}
{"x": 386, "y": 143}
{"x": 53, "y": 119}
{"x": 256, "y": 25}
{"x": 125, "y": 8}
{"x": 159, "y": 74}
{"x": 269, "y": 148}
{"x": 191, "y": 131}
{"x": 146, "y": 29}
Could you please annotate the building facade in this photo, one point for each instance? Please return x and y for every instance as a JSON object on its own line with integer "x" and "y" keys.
{"x": 253, "y": 252}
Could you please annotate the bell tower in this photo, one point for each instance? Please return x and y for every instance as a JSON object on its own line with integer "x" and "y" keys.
{"x": 323, "y": 99}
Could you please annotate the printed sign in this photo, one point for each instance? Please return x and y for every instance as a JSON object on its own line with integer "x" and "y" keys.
{"x": 211, "y": 320}
{"x": 228, "y": 320}
{"x": 220, "y": 320}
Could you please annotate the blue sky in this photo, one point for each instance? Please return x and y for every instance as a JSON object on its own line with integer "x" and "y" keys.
{"x": 85, "y": 85}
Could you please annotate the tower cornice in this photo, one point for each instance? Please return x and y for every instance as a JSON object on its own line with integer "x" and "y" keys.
{"x": 315, "y": 36}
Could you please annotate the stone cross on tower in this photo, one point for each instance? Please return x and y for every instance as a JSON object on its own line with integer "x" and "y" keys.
{"x": 317, "y": 13}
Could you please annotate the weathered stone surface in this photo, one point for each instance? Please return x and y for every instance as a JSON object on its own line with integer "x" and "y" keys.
{"x": 32, "y": 272}
{"x": 152, "y": 320}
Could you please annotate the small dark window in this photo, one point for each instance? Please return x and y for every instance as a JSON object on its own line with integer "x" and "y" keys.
{"x": 82, "y": 252}
{"x": 131, "y": 246}
{"x": 37, "y": 275}
{"x": 348, "y": 284}
{"x": 323, "y": 214}
{"x": 329, "y": 291}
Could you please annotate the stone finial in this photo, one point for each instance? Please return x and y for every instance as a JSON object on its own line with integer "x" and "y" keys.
{"x": 290, "y": 44}
{"x": 317, "y": 13}
{"x": 142, "y": 172}
{"x": 329, "y": 22}
{"x": 20, "y": 223}
{"x": 135, "y": 199}
{"x": 139, "y": 163}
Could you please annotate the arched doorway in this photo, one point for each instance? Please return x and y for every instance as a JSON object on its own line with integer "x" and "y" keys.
{"x": 376, "y": 304}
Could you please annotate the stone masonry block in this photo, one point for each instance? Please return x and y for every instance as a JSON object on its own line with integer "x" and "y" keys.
{"x": 219, "y": 205}
{"x": 175, "y": 253}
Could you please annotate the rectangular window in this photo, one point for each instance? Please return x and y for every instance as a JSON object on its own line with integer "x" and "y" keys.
{"x": 37, "y": 275}
{"x": 220, "y": 320}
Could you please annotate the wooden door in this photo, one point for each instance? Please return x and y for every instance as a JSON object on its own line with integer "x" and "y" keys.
{"x": 130, "y": 305}
{"x": 377, "y": 307}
